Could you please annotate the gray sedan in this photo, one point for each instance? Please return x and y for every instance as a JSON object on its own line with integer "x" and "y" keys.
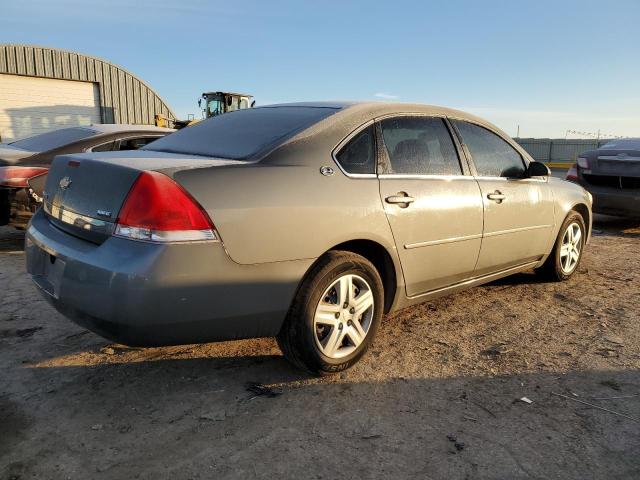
{"x": 612, "y": 175}
{"x": 307, "y": 222}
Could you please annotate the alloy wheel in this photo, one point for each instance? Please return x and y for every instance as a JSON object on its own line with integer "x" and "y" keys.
{"x": 343, "y": 316}
{"x": 570, "y": 248}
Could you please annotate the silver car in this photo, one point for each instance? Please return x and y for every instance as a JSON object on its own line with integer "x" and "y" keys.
{"x": 307, "y": 222}
{"x": 612, "y": 175}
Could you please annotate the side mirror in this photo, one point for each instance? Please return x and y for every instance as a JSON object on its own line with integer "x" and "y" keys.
{"x": 538, "y": 169}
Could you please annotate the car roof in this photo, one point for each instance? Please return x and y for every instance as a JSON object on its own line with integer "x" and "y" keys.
{"x": 384, "y": 108}
{"x": 621, "y": 144}
{"x": 320, "y": 104}
{"x": 351, "y": 115}
{"x": 350, "y": 112}
{"x": 380, "y": 108}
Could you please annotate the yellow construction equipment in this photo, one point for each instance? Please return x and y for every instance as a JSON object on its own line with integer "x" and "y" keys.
{"x": 212, "y": 104}
{"x": 216, "y": 103}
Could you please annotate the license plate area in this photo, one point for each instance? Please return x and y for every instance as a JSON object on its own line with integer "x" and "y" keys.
{"x": 46, "y": 271}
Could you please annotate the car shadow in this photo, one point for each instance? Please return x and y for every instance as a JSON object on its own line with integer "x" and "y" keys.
{"x": 616, "y": 226}
{"x": 11, "y": 239}
{"x": 233, "y": 417}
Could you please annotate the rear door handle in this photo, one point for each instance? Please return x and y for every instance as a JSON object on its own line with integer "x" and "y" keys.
{"x": 496, "y": 196}
{"x": 401, "y": 198}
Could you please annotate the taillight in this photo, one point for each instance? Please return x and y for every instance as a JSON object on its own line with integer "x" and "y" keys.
{"x": 17, "y": 177}
{"x": 157, "y": 209}
{"x": 583, "y": 162}
{"x": 572, "y": 174}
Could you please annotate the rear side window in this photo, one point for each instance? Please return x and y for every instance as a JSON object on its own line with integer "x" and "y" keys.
{"x": 135, "y": 143}
{"x": 358, "y": 156}
{"x": 105, "y": 147}
{"x": 242, "y": 134}
{"x": 492, "y": 156}
{"x": 420, "y": 146}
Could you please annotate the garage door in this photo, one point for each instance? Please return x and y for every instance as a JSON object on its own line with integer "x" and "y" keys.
{"x": 31, "y": 105}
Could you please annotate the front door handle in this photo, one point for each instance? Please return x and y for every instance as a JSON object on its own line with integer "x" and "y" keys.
{"x": 496, "y": 196}
{"x": 401, "y": 198}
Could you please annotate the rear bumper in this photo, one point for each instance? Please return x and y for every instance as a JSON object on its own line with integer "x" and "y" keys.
{"x": 612, "y": 201}
{"x": 145, "y": 294}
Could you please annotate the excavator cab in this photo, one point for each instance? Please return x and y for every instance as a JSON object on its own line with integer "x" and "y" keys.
{"x": 212, "y": 104}
{"x": 216, "y": 103}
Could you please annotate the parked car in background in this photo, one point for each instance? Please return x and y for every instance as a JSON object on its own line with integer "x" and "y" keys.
{"x": 303, "y": 221}
{"x": 24, "y": 163}
{"x": 612, "y": 175}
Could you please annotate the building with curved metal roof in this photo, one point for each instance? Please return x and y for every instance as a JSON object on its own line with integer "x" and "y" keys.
{"x": 42, "y": 89}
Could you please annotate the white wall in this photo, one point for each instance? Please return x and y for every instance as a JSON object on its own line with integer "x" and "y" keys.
{"x": 31, "y": 105}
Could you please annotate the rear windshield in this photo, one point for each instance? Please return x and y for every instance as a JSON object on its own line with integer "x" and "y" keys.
{"x": 622, "y": 144}
{"x": 50, "y": 140}
{"x": 241, "y": 134}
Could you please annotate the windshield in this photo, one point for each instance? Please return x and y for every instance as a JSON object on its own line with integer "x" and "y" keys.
{"x": 214, "y": 107}
{"x": 242, "y": 134}
{"x": 50, "y": 140}
{"x": 622, "y": 144}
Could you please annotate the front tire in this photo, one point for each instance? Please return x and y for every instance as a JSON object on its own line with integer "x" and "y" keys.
{"x": 566, "y": 255}
{"x": 335, "y": 314}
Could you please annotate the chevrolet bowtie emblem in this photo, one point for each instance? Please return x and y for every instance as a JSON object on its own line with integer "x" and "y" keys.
{"x": 65, "y": 183}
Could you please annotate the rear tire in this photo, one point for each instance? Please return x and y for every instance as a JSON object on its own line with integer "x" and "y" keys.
{"x": 335, "y": 314}
{"x": 566, "y": 255}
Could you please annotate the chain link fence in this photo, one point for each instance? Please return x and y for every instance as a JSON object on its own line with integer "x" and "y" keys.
{"x": 558, "y": 150}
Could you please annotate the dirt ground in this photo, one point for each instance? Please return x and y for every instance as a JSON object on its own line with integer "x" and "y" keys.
{"x": 436, "y": 398}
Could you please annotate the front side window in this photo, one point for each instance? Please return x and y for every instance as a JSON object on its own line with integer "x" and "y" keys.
{"x": 492, "y": 156}
{"x": 358, "y": 156}
{"x": 420, "y": 146}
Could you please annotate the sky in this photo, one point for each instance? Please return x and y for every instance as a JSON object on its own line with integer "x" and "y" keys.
{"x": 539, "y": 67}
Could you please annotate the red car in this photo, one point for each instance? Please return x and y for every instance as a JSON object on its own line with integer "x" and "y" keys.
{"x": 25, "y": 163}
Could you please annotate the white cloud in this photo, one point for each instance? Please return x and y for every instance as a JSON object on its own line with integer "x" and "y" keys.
{"x": 385, "y": 96}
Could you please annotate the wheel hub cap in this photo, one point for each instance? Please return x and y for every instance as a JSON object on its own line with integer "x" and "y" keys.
{"x": 343, "y": 316}
{"x": 570, "y": 248}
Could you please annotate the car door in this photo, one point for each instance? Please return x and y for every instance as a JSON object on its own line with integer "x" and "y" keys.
{"x": 432, "y": 203}
{"x": 518, "y": 211}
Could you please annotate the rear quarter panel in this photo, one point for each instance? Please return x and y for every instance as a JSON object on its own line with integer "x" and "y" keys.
{"x": 275, "y": 213}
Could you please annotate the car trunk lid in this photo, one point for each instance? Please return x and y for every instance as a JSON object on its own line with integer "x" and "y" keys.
{"x": 84, "y": 193}
{"x": 615, "y": 162}
{"x": 619, "y": 169}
